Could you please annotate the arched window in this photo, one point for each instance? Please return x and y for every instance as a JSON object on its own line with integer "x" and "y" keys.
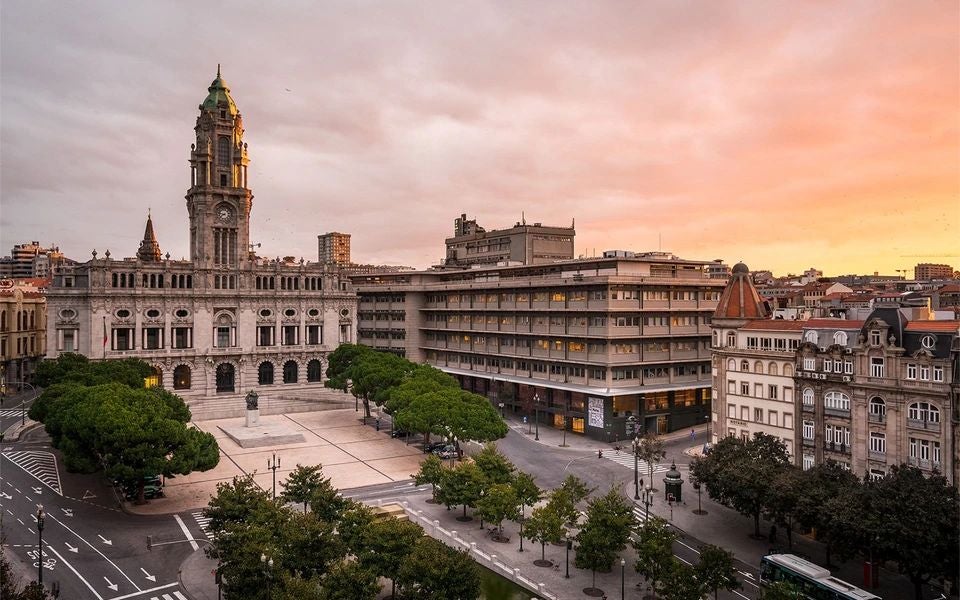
{"x": 807, "y": 396}
{"x": 758, "y": 367}
{"x": 223, "y": 151}
{"x": 744, "y": 366}
{"x": 225, "y": 378}
{"x": 923, "y": 411}
{"x": 731, "y": 339}
{"x": 811, "y": 336}
{"x": 290, "y": 372}
{"x": 731, "y": 365}
{"x": 878, "y": 407}
{"x": 836, "y": 401}
{"x": 314, "y": 370}
{"x": 3, "y": 320}
{"x": 154, "y": 379}
{"x": 772, "y": 369}
{"x": 181, "y": 377}
{"x": 840, "y": 338}
{"x": 265, "y": 373}
{"x": 788, "y": 370}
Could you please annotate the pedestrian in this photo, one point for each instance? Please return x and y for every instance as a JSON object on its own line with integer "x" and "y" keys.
{"x": 599, "y": 452}
{"x": 617, "y": 448}
{"x": 693, "y": 434}
{"x": 773, "y": 534}
{"x": 378, "y": 423}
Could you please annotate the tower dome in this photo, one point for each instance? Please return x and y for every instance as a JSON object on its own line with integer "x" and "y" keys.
{"x": 740, "y": 299}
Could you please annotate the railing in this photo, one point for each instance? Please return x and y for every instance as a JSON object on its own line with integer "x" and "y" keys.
{"x": 837, "y": 412}
{"x": 876, "y": 455}
{"x": 877, "y": 417}
{"x": 927, "y": 425}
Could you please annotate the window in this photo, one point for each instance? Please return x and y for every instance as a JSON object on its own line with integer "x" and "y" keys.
{"x": 839, "y": 436}
{"x": 265, "y": 335}
{"x": 827, "y": 366}
{"x": 772, "y": 418}
{"x": 808, "y": 430}
{"x": 836, "y": 401}
{"x": 808, "y": 462}
{"x": 877, "y": 408}
{"x": 291, "y": 334}
{"x": 848, "y": 367}
{"x": 223, "y": 341}
{"x": 182, "y": 337}
{"x": 840, "y": 338}
{"x": 878, "y": 442}
{"x": 69, "y": 340}
{"x": 923, "y": 411}
{"x": 911, "y": 371}
{"x": 731, "y": 365}
{"x": 809, "y": 364}
{"x": 265, "y": 374}
{"x": 919, "y": 450}
{"x": 181, "y": 377}
{"x": 731, "y": 386}
{"x": 290, "y": 372}
{"x": 808, "y": 397}
{"x": 745, "y": 366}
{"x": 876, "y": 474}
{"x": 758, "y": 390}
{"x": 811, "y": 336}
{"x": 772, "y": 369}
{"x": 152, "y": 338}
{"x": 788, "y": 420}
{"x": 314, "y": 371}
{"x": 314, "y": 335}
{"x": 938, "y": 373}
{"x": 874, "y": 338}
{"x": 122, "y": 338}
{"x": 744, "y": 388}
{"x": 731, "y": 339}
{"x": 924, "y": 373}
{"x": 772, "y": 392}
{"x": 731, "y": 411}
{"x": 876, "y": 366}
{"x": 744, "y": 413}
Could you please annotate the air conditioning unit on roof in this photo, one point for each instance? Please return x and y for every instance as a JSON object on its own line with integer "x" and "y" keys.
{"x": 848, "y": 350}
{"x": 823, "y": 349}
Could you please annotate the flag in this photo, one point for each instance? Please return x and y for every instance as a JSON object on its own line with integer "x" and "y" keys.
{"x": 105, "y": 336}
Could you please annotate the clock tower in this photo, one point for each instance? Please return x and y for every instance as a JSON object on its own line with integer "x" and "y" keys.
{"x": 219, "y": 200}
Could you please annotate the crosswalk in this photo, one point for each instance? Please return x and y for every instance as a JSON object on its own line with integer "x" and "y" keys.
{"x": 626, "y": 459}
{"x": 42, "y": 465}
{"x": 203, "y": 522}
{"x": 170, "y": 596}
{"x": 11, "y": 413}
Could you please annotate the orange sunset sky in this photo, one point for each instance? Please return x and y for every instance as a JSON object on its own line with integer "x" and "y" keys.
{"x": 785, "y": 134}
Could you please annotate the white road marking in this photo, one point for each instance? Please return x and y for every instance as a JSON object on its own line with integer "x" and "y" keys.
{"x": 110, "y": 584}
{"x": 152, "y": 578}
{"x": 143, "y": 592}
{"x": 79, "y": 576}
{"x": 67, "y": 512}
{"x": 204, "y": 523}
{"x": 186, "y": 532}
{"x": 690, "y": 548}
{"x": 73, "y": 549}
{"x": 113, "y": 564}
{"x": 105, "y": 540}
{"x": 40, "y": 465}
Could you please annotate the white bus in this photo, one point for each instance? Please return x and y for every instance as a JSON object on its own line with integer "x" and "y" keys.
{"x": 813, "y": 581}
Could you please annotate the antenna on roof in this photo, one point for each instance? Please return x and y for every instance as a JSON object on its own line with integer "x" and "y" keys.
{"x": 218, "y": 69}
{"x": 523, "y": 218}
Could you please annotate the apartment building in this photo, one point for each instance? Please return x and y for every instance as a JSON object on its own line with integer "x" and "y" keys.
{"x": 334, "y": 248}
{"x": 931, "y": 271}
{"x": 581, "y": 344}
{"x": 471, "y": 244}
{"x": 23, "y": 323}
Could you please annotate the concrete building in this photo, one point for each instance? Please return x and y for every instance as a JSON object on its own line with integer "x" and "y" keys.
{"x": 521, "y": 244}
{"x": 23, "y": 325}
{"x": 593, "y": 340}
{"x": 224, "y": 322}
{"x": 931, "y": 271}
{"x": 719, "y": 269}
{"x": 30, "y": 260}
{"x": 334, "y": 248}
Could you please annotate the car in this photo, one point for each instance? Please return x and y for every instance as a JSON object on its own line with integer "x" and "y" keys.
{"x": 447, "y": 451}
{"x": 396, "y": 433}
{"x": 434, "y": 446}
{"x": 149, "y": 492}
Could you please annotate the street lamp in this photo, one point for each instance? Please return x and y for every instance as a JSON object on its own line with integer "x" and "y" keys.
{"x": 268, "y": 567}
{"x": 699, "y": 511}
{"x": 569, "y": 545}
{"x": 274, "y": 464}
{"x": 356, "y": 401}
{"x": 501, "y": 410}
{"x": 536, "y": 409}
{"x": 40, "y": 544}
{"x": 647, "y": 501}
{"x": 636, "y": 468}
{"x": 23, "y": 403}
{"x": 623, "y": 565}
{"x": 709, "y": 421}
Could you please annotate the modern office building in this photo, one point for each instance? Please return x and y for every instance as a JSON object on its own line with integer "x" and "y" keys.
{"x": 931, "y": 271}
{"x": 224, "y": 322}
{"x": 581, "y": 344}
{"x": 334, "y": 248}
{"x": 521, "y": 244}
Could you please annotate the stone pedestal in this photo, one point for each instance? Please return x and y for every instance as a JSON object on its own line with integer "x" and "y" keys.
{"x": 253, "y": 417}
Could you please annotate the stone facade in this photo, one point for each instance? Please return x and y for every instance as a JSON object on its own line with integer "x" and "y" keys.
{"x": 23, "y": 325}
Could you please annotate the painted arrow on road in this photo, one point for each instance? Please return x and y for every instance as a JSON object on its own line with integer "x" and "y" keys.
{"x": 6, "y": 496}
{"x": 105, "y": 540}
{"x": 73, "y": 549}
{"x": 148, "y": 575}
{"x": 110, "y": 585}
{"x": 67, "y": 511}
{"x": 37, "y": 491}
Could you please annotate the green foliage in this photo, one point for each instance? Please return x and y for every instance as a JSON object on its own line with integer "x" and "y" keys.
{"x": 435, "y": 572}
{"x": 302, "y": 483}
{"x": 421, "y": 380}
{"x": 354, "y": 520}
{"x": 461, "y": 485}
{"x": 386, "y": 544}
{"x": 10, "y": 587}
{"x": 780, "y": 590}
{"x": 787, "y": 489}
{"x": 654, "y": 546}
{"x": 350, "y": 581}
{"x": 716, "y": 570}
{"x": 291, "y": 587}
{"x": 738, "y": 473}
{"x": 679, "y": 582}
{"x": 76, "y": 368}
{"x": 494, "y": 465}
{"x": 605, "y": 532}
{"x": 527, "y": 491}
{"x": 238, "y": 502}
{"x": 545, "y": 526}
{"x": 308, "y": 545}
{"x": 340, "y": 361}
{"x": 431, "y": 471}
{"x": 498, "y": 502}
{"x": 565, "y": 499}
{"x": 326, "y": 501}
{"x": 650, "y": 449}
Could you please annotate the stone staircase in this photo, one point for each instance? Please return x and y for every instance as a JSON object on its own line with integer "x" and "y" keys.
{"x": 234, "y": 405}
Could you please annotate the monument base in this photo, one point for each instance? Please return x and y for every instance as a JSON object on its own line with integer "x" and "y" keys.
{"x": 253, "y": 417}
{"x": 264, "y": 434}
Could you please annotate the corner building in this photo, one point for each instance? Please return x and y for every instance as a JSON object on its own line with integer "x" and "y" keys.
{"x": 581, "y": 344}
{"x": 225, "y": 321}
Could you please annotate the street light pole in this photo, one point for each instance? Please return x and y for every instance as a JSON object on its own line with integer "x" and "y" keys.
{"x": 274, "y": 464}
{"x": 23, "y": 403}
{"x": 536, "y": 418}
{"x": 521, "y": 536}
{"x": 647, "y": 501}
{"x": 636, "y": 469}
{"x": 40, "y": 544}
{"x": 268, "y": 565}
{"x": 623, "y": 590}
{"x": 569, "y": 544}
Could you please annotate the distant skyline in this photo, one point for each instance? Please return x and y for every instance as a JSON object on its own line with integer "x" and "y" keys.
{"x": 783, "y": 135}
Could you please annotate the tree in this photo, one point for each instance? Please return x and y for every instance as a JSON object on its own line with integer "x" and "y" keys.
{"x": 461, "y": 485}
{"x": 292, "y": 587}
{"x": 527, "y": 491}
{"x": 780, "y": 590}
{"x": 452, "y": 412}
{"x": 782, "y": 505}
{"x": 326, "y": 501}
{"x": 435, "y": 572}
{"x": 496, "y": 468}
{"x": 679, "y": 582}
{"x": 605, "y": 532}
{"x": 431, "y": 471}
{"x": 353, "y": 523}
{"x": 499, "y": 502}
{"x": 545, "y": 526}
{"x": 303, "y": 483}
{"x": 738, "y": 473}
{"x": 421, "y": 380}
{"x": 385, "y": 545}
{"x": 309, "y": 545}
{"x": 239, "y": 501}
{"x": 716, "y": 571}
{"x": 565, "y": 499}
{"x": 650, "y": 449}
{"x": 654, "y": 546}
{"x": 821, "y": 483}
{"x": 10, "y": 587}
{"x": 350, "y": 581}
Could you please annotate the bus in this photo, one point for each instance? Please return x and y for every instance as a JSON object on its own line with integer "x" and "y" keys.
{"x": 813, "y": 581}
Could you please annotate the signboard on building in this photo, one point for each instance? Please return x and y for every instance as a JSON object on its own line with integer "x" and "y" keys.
{"x": 595, "y": 412}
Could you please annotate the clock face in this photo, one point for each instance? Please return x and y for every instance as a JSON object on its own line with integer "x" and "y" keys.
{"x": 223, "y": 214}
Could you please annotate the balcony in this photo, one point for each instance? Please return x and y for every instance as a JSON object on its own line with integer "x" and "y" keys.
{"x": 842, "y": 448}
{"x": 879, "y": 456}
{"x": 809, "y": 407}
{"x": 837, "y": 412}
{"x": 809, "y": 442}
{"x": 877, "y": 417}
{"x": 925, "y": 425}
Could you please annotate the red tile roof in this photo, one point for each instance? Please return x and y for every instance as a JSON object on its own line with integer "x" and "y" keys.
{"x": 950, "y": 288}
{"x": 774, "y": 325}
{"x": 740, "y": 300}
{"x": 945, "y": 326}
{"x": 833, "y": 324}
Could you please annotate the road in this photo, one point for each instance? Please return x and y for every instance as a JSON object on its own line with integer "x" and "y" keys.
{"x": 90, "y": 549}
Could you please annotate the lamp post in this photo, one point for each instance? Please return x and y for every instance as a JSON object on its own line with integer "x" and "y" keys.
{"x": 267, "y": 563}
{"x": 569, "y": 545}
{"x": 501, "y": 410}
{"x": 356, "y": 401}
{"x": 536, "y": 412}
{"x": 623, "y": 565}
{"x": 647, "y": 501}
{"x": 23, "y": 403}
{"x": 563, "y": 444}
{"x": 709, "y": 420}
{"x": 40, "y": 544}
{"x": 699, "y": 511}
{"x": 521, "y": 536}
{"x": 636, "y": 468}
{"x": 274, "y": 464}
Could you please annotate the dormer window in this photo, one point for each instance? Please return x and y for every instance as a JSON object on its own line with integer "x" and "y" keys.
{"x": 840, "y": 338}
{"x": 875, "y": 339}
{"x": 928, "y": 341}
{"x": 811, "y": 336}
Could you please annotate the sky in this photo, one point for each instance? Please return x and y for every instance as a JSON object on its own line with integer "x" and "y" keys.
{"x": 787, "y": 135}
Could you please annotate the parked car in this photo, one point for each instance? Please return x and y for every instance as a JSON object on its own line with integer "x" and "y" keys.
{"x": 396, "y": 433}
{"x": 447, "y": 451}
{"x": 434, "y": 446}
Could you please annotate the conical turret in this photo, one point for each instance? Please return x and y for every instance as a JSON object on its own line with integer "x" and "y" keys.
{"x": 149, "y": 248}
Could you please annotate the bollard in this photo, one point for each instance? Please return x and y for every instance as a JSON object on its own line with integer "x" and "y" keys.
{"x": 516, "y": 574}
{"x": 453, "y": 534}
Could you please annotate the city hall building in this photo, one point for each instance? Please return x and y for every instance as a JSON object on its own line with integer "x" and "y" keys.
{"x": 224, "y": 322}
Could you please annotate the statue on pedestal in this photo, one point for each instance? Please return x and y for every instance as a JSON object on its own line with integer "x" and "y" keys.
{"x": 252, "y": 398}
